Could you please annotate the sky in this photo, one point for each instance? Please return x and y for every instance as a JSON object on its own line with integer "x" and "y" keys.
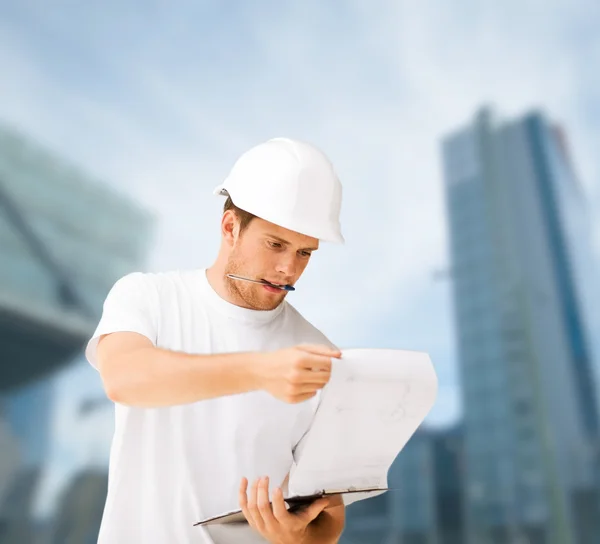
{"x": 159, "y": 98}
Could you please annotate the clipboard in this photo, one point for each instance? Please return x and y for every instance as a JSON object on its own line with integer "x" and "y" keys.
{"x": 372, "y": 405}
{"x": 294, "y": 503}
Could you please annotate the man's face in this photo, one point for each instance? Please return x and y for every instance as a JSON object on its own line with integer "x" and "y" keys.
{"x": 265, "y": 251}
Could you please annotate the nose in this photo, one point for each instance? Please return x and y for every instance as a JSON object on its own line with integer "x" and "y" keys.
{"x": 287, "y": 266}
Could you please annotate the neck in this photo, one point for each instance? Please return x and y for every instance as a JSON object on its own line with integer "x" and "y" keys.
{"x": 216, "y": 277}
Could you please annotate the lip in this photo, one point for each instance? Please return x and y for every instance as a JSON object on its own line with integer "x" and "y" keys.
{"x": 274, "y": 282}
{"x": 273, "y": 289}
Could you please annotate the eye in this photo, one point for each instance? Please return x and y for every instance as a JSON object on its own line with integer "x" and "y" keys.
{"x": 275, "y": 245}
{"x": 306, "y": 253}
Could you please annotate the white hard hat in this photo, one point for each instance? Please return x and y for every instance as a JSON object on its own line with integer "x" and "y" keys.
{"x": 289, "y": 183}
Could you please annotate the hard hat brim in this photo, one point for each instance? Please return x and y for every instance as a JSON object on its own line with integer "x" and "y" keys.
{"x": 220, "y": 190}
{"x": 333, "y": 237}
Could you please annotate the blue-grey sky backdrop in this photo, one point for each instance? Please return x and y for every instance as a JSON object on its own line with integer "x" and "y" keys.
{"x": 158, "y": 99}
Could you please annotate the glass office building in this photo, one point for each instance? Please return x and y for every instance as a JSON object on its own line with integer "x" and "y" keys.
{"x": 425, "y": 502}
{"x": 412, "y": 501}
{"x": 65, "y": 238}
{"x": 524, "y": 300}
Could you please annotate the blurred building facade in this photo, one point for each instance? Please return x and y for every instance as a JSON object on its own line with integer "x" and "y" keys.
{"x": 521, "y": 267}
{"x": 424, "y": 504}
{"x": 368, "y": 521}
{"x": 412, "y": 501}
{"x": 80, "y": 510}
{"x": 64, "y": 240}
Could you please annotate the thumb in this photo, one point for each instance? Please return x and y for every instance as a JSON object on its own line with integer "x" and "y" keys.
{"x": 320, "y": 349}
{"x": 312, "y": 511}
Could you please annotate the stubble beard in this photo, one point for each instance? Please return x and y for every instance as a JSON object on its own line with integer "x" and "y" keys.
{"x": 246, "y": 293}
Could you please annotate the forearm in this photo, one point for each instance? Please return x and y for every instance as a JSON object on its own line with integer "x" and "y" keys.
{"x": 153, "y": 377}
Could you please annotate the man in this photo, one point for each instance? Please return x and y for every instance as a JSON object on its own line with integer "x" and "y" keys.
{"x": 216, "y": 379}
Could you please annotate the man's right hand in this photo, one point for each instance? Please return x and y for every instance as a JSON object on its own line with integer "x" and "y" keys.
{"x": 296, "y": 374}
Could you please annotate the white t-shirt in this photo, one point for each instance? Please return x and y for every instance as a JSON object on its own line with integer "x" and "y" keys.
{"x": 173, "y": 466}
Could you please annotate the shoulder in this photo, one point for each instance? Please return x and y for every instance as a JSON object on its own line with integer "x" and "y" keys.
{"x": 307, "y": 332}
{"x": 149, "y": 285}
{"x": 131, "y": 283}
{"x": 155, "y": 279}
{"x": 136, "y": 282}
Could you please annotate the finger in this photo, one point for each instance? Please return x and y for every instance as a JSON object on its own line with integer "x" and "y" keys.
{"x": 302, "y": 398}
{"x": 319, "y": 349}
{"x": 264, "y": 506}
{"x": 316, "y": 363}
{"x": 313, "y": 510}
{"x": 305, "y": 388}
{"x": 243, "y": 500}
{"x": 253, "y": 506}
{"x": 279, "y": 510}
{"x": 314, "y": 374}
{"x": 335, "y": 500}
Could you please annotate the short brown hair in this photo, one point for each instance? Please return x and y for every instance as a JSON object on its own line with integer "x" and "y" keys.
{"x": 243, "y": 216}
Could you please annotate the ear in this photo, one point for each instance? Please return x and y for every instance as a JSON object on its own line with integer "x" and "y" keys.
{"x": 230, "y": 227}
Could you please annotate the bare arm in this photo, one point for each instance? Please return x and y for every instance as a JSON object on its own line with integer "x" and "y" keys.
{"x": 137, "y": 373}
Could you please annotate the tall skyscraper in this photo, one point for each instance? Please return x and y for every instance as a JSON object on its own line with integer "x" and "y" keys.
{"x": 521, "y": 270}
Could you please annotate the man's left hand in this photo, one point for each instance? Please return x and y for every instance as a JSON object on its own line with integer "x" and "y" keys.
{"x": 273, "y": 521}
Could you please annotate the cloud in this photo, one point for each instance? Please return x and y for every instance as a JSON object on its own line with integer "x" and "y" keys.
{"x": 175, "y": 178}
{"x": 376, "y": 89}
{"x": 160, "y": 101}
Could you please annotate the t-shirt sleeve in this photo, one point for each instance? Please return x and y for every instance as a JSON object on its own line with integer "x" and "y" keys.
{"x": 312, "y": 335}
{"x": 130, "y": 306}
